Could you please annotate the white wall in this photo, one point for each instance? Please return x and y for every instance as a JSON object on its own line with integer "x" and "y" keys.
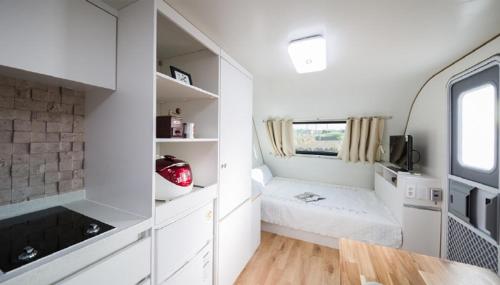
{"x": 329, "y": 96}
{"x": 257, "y": 159}
{"x": 428, "y": 122}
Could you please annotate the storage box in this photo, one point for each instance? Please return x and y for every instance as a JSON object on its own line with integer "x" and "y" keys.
{"x": 169, "y": 127}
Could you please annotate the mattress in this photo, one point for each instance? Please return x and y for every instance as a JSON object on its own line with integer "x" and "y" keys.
{"x": 346, "y": 212}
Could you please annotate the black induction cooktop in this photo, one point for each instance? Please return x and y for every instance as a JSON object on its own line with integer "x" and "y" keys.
{"x": 29, "y": 237}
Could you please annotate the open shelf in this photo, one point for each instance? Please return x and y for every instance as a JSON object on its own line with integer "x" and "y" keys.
{"x": 179, "y": 140}
{"x": 169, "y": 89}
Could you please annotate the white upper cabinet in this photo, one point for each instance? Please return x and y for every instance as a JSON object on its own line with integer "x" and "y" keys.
{"x": 70, "y": 40}
{"x": 235, "y": 138}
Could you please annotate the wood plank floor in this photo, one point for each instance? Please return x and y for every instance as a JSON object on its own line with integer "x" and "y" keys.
{"x": 282, "y": 260}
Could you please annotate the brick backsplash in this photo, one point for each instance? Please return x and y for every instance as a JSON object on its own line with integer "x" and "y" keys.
{"x": 41, "y": 140}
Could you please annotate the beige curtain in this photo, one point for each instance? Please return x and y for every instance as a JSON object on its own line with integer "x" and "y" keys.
{"x": 280, "y": 133}
{"x": 363, "y": 140}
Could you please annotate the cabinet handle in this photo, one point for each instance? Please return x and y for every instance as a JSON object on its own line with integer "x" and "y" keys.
{"x": 224, "y": 165}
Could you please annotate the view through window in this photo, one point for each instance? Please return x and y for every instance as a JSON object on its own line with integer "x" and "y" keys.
{"x": 318, "y": 138}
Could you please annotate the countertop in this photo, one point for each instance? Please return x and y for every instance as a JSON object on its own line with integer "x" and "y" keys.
{"x": 53, "y": 268}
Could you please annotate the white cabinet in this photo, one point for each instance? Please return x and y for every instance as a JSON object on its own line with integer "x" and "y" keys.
{"x": 198, "y": 271}
{"x": 422, "y": 230}
{"x": 235, "y": 243}
{"x": 179, "y": 242}
{"x": 71, "y": 40}
{"x": 130, "y": 265}
{"x": 235, "y": 138}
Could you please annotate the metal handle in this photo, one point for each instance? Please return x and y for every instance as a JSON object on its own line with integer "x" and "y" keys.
{"x": 28, "y": 254}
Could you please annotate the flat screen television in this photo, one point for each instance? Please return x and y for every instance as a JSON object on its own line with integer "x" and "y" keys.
{"x": 400, "y": 153}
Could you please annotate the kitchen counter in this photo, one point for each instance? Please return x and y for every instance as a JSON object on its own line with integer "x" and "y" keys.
{"x": 55, "y": 267}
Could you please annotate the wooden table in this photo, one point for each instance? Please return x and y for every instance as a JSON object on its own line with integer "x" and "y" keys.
{"x": 361, "y": 262}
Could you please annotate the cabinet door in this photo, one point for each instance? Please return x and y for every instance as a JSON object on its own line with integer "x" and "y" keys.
{"x": 71, "y": 40}
{"x": 236, "y": 138}
{"x": 127, "y": 266}
{"x": 422, "y": 230}
{"x": 235, "y": 243}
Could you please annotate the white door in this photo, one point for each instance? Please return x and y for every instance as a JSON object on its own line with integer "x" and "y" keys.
{"x": 235, "y": 138}
{"x": 235, "y": 243}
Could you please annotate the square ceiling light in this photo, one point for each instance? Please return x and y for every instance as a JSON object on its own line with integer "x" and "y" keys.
{"x": 308, "y": 54}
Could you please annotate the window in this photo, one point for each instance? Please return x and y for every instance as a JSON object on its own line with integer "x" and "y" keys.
{"x": 476, "y": 128}
{"x": 318, "y": 138}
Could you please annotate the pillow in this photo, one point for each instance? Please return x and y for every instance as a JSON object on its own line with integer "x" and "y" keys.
{"x": 262, "y": 175}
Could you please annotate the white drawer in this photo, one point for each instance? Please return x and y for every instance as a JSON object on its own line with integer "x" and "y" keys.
{"x": 178, "y": 242}
{"x": 127, "y": 266}
{"x": 197, "y": 272}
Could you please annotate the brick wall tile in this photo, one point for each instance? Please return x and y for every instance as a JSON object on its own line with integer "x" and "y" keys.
{"x": 6, "y": 102}
{"x": 20, "y": 158}
{"x": 5, "y": 183}
{"x": 77, "y": 146}
{"x": 38, "y": 137}
{"x": 5, "y": 171}
{"x": 52, "y": 166}
{"x": 36, "y": 180}
{"x": 20, "y": 170}
{"x": 22, "y": 137}
{"x": 5, "y": 196}
{"x": 77, "y": 164}
{"x": 66, "y": 165}
{"x": 29, "y": 105}
{"x": 38, "y": 126}
{"x": 77, "y": 184}
{"x": 53, "y": 147}
{"x": 41, "y": 140}
{"x": 66, "y": 175}
{"x": 65, "y": 146}
{"x": 65, "y": 186}
{"x": 36, "y": 168}
{"x": 79, "y": 109}
{"x": 6, "y": 125}
{"x": 7, "y": 91}
{"x": 52, "y": 137}
{"x": 5, "y": 148}
{"x": 79, "y": 173}
{"x": 21, "y": 148}
{"x": 37, "y": 191}
{"x": 20, "y": 182}
{"x": 20, "y": 194}
{"x": 51, "y": 177}
{"x": 59, "y": 108}
{"x": 51, "y": 189}
{"x": 53, "y": 127}
{"x": 5, "y": 160}
{"x": 6, "y": 136}
{"x": 38, "y": 147}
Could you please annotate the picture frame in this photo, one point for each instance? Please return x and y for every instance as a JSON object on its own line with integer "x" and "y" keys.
{"x": 180, "y": 75}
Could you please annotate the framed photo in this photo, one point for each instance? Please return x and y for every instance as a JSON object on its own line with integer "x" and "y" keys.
{"x": 181, "y": 75}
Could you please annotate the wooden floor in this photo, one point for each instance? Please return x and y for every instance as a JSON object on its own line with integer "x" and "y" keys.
{"x": 282, "y": 260}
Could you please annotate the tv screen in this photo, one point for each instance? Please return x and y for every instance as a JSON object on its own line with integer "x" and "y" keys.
{"x": 400, "y": 152}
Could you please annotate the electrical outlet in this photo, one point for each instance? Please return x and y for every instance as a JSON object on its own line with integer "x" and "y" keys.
{"x": 410, "y": 191}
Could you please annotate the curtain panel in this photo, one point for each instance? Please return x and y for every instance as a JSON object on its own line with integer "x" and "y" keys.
{"x": 280, "y": 134}
{"x": 363, "y": 140}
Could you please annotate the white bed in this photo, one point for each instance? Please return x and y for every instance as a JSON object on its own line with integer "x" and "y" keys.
{"x": 347, "y": 212}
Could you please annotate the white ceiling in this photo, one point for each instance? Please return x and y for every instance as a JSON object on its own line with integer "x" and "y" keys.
{"x": 371, "y": 40}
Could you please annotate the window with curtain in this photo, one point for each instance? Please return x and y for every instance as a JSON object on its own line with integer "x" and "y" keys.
{"x": 318, "y": 137}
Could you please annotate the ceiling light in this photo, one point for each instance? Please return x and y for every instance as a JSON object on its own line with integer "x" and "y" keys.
{"x": 308, "y": 54}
